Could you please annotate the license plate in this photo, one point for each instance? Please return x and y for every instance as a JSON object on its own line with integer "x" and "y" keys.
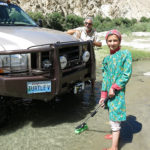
{"x": 38, "y": 87}
{"x": 79, "y": 87}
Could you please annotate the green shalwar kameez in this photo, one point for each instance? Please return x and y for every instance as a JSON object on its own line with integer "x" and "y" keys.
{"x": 117, "y": 69}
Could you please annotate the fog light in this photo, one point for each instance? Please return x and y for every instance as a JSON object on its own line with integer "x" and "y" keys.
{"x": 47, "y": 64}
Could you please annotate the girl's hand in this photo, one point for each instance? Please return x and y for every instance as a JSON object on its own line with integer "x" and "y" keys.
{"x": 101, "y": 102}
{"x": 111, "y": 93}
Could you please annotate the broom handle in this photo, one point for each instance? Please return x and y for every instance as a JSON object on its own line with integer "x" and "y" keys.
{"x": 105, "y": 101}
{"x": 92, "y": 114}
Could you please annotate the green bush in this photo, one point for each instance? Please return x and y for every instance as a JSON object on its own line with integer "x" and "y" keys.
{"x": 107, "y": 26}
{"x": 127, "y": 22}
{"x": 98, "y": 19}
{"x": 124, "y": 25}
{"x": 134, "y": 21}
{"x": 144, "y": 19}
{"x": 55, "y": 21}
{"x": 143, "y": 27}
{"x": 118, "y": 21}
{"x": 107, "y": 19}
{"x": 36, "y": 16}
{"x": 73, "y": 21}
{"x": 102, "y": 24}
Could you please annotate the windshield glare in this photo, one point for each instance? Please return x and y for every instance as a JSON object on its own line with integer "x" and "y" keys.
{"x": 12, "y": 15}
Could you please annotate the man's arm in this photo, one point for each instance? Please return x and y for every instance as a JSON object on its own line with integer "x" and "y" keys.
{"x": 96, "y": 41}
{"x": 98, "y": 44}
{"x": 71, "y": 32}
{"x": 76, "y": 33}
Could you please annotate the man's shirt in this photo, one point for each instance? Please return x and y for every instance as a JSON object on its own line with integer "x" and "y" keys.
{"x": 84, "y": 36}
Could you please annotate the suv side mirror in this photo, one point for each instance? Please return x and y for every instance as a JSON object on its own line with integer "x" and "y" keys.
{"x": 40, "y": 23}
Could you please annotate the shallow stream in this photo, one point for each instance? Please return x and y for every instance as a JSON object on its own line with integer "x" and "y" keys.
{"x": 36, "y": 125}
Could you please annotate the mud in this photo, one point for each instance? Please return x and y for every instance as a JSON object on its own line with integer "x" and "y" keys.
{"x": 35, "y": 125}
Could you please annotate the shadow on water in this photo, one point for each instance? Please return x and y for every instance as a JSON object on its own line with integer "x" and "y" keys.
{"x": 66, "y": 109}
{"x": 128, "y": 128}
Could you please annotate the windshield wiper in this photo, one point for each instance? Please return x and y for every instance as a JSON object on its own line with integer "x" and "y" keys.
{"x": 5, "y": 24}
{"x": 23, "y": 25}
{"x": 20, "y": 24}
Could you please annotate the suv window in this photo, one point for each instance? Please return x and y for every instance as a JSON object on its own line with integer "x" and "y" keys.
{"x": 12, "y": 15}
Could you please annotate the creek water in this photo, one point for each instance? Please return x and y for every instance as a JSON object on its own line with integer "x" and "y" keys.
{"x": 36, "y": 125}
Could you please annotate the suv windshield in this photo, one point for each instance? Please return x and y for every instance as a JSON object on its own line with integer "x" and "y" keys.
{"x": 12, "y": 15}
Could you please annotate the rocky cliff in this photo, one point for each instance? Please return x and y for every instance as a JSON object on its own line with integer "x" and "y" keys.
{"x": 107, "y": 8}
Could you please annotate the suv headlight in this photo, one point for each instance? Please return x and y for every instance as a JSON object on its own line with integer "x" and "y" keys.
{"x": 86, "y": 56}
{"x": 63, "y": 62}
{"x": 13, "y": 63}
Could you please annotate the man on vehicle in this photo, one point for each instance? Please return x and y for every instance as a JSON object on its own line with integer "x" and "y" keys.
{"x": 86, "y": 33}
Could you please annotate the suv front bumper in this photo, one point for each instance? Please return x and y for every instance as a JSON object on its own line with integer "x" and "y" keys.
{"x": 17, "y": 86}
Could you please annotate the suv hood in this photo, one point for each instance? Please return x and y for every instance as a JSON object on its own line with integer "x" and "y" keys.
{"x": 15, "y": 38}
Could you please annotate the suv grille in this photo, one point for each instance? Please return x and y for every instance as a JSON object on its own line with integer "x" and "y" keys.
{"x": 42, "y": 62}
{"x": 73, "y": 55}
{"x": 72, "y": 52}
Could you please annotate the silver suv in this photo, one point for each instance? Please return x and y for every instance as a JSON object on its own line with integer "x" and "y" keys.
{"x": 40, "y": 63}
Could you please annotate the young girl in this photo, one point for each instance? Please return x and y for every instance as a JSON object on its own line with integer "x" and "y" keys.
{"x": 117, "y": 68}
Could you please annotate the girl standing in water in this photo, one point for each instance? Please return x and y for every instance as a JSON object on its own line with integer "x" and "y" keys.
{"x": 117, "y": 69}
